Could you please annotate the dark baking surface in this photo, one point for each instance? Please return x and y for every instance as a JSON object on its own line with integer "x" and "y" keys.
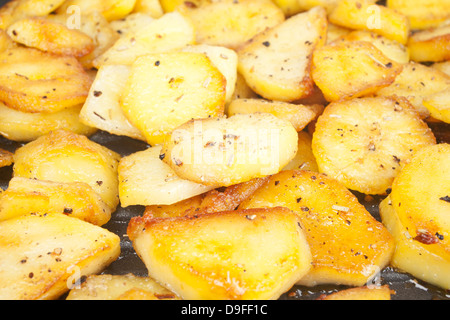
{"x": 405, "y": 286}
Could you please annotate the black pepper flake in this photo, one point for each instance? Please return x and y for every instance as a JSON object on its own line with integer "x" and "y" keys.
{"x": 99, "y": 183}
{"x": 162, "y": 156}
{"x": 305, "y": 209}
{"x": 31, "y": 275}
{"x": 388, "y": 190}
{"x": 157, "y": 63}
{"x": 446, "y": 199}
{"x": 97, "y": 93}
{"x": 266, "y": 43}
{"x": 299, "y": 199}
{"x": 68, "y": 210}
{"x": 389, "y": 65}
{"x": 277, "y": 182}
{"x": 439, "y": 236}
{"x": 14, "y": 32}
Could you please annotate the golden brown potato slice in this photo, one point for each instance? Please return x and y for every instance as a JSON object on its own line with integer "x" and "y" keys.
{"x": 417, "y": 82}
{"x": 431, "y": 45}
{"x": 34, "y": 81}
{"x": 422, "y": 14}
{"x": 152, "y": 8}
{"x": 43, "y": 255}
{"x": 227, "y": 151}
{"x": 348, "y": 245}
{"x": 364, "y": 143}
{"x": 24, "y": 127}
{"x": 239, "y": 255}
{"x": 170, "y": 32}
{"x": 366, "y": 15}
{"x": 298, "y": 114}
{"x": 52, "y": 37}
{"x": 353, "y": 69}
{"x": 110, "y": 9}
{"x": 102, "y": 108}
{"x": 30, "y": 196}
{"x": 284, "y": 74}
{"x": 6, "y": 158}
{"x": 390, "y": 48}
{"x": 304, "y": 159}
{"x": 63, "y": 156}
{"x": 439, "y": 105}
{"x": 165, "y": 90}
{"x": 144, "y": 179}
{"x": 418, "y": 216}
{"x": 365, "y": 293}
{"x": 119, "y": 287}
{"x": 230, "y": 23}
{"x": 178, "y": 209}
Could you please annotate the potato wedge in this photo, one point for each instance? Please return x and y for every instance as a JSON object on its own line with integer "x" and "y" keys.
{"x": 417, "y": 82}
{"x": 230, "y": 23}
{"x": 439, "y": 105}
{"x": 110, "y": 9}
{"x": 227, "y": 151}
{"x": 118, "y": 287}
{"x": 431, "y": 45}
{"x": 366, "y": 15}
{"x": 178, "y": 209}
{"x": 417, "y": 213}
{"x": 52, "y": 37}
{"x": 63, "y": 156}
{"x": 102, "y": 108}
{"x": 365, "y": 293}
{"x": 146, "y": 180}
{"x": 390, "y": 48}
{"x": 304, "y": 159}
{"x": 29, "y": 196}
{"x": 184, "y": 86}
{"x": 152, "y": 8}
{"x": 170, "y": 32}
{"x": 25, "y": 127}
{"x": 34, "y": 81}
{"x": 284, "y": 75}
{"x": 364, "y": 143}
{"x": 224, "y": 59}
{"x": 43, "y": 255}
{"x": 422, "y": 14}
{"x": 352, "y": 69}
{"x": 6, "y": 158}
{"x": 238, "y": 255}
{"x": 297, "y": 114}
{"x": 348, "y": 245}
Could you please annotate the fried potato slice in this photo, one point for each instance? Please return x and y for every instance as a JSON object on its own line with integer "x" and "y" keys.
{"x": 348, "y": 245}
{"x": 224, "y": 59}
{"x": 178, "y": 209}
{"x": 43, "y": 255}
{"x": 366, "y": 15}
{"x": 298, "y": 115}
{"x": 34, "y": 81}
{"x": 422, "y": 14}
{"x": 364, "y": 143}
{"x": 304, "y": 159}
{"x": 242, "y": 90}
{"x": 152, "y": 8}
{"x": 63, "y": 156}
{"x": 131, "y": 23}
{"x": 390, "y": 48}
{"x": 6, "y": 158}
{"x": 25, "y": 127}
{"x": 417, "y": 82}
{"x": 238, "y": 255}
{"x": 29, "y": 196}
{"x": 170, "y": 32}
{"x": 118, "y": 287}
{"x": 144, "y": 179}
{"x": 52, "y": 37}
{"x": 365, "y": 293}
{"x": 335, "y": 32}
{"x": 352, "y": 69}
{"x": 443, "y": 67}
{"x": 110, "y": 9}
{"x": 227, "y": 151}
{"x": 439, "y": 105}
{"x": 165, "y": 90}
{"x": 284, "y": 74}
{"x": 430, "y": 45}
{"x": 102, "y": 108}
{"x": 417, "y": 213}
{"x": 290, "y": 7}
{"x": 230, "y": 23}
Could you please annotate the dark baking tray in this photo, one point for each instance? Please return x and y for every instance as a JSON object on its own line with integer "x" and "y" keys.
{"x": 405, "y": 286}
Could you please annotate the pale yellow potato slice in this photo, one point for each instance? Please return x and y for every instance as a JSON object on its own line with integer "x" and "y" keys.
{"x": 364, "y": 143}
{"x": 25, "y": 127}
{"x": 144, "y": 179}
{"x": 44, "y": 255}
{"x": 430, "y": 45}
{"x": 235, "y": 255}
{"x": 230, "y": 23}
{"x": 227, "y": 151}
{"x": 365, "y": 293}
{"x": 63, "y": 156}
{"x": 131, "y": 23}
{"x": 119, "y": 287}
{"x": 276, "y": 63}
{"x": 439, "y": 105}
{"x": 348, "y": 245}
